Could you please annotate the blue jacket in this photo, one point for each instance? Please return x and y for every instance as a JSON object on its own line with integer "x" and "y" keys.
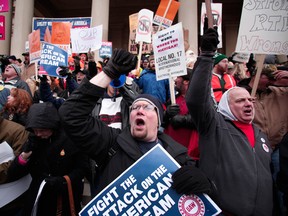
{"x": 149, "y": 85}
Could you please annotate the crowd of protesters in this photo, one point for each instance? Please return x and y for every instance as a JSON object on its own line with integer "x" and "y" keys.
{"x": 230, "y": 145}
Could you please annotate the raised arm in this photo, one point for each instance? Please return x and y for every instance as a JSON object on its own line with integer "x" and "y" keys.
{"x": 90, "y": 134}
{"x": 198, "y": 97}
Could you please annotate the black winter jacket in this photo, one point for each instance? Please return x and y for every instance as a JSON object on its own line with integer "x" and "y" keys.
{"x": 96, "y": 139}
{"x": 241, "y": 173}
{"x": 55, "y": 156}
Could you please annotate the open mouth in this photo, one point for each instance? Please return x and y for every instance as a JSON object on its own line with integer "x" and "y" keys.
{"x": 140, "y": 122}
{"x": 248, "y": 111}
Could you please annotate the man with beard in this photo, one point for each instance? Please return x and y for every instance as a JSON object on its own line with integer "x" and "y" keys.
{"x": 177, "y": 120}
{"x": 221, "y": 81}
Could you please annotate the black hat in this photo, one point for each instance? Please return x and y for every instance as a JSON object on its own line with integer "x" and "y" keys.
{"x": 25, "y": 54}
{"x": 12, "y": 57}
{"x": 154, "y": 101}
{"x": 42, "y": 115}
{"x": 79, "y": 70}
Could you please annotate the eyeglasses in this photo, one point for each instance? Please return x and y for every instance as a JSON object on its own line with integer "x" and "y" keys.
{"x": 146, "y": 107}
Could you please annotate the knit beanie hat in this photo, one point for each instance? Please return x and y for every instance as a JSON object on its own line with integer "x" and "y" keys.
{"x": 219, "y": 57}
{"x": 155, "y": 102}
{"x": 17, "y": 69}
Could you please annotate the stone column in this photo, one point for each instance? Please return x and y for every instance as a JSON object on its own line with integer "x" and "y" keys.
{"x": 100, "y": 16}
{"x": 22, "y": 26}
{"x": 188, "y": 15}
{"x": 5, "y": 44}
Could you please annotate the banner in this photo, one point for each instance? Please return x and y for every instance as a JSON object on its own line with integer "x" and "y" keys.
{"x": 133, "y": 22}
{"x": 263, "y": 28}
{"x": 144, "y": 27}
{"x": 106, "y": 50}
{"x": 2, "y": 27}
{"x": 4, "y": 6}
{"x": 169, "y": 53}
{"x": 217, "y": 19}
{"x": 84, "y": 39}
{"x": 34, "y": 46}
{"x": 170, "y": 15}
{"x": 52, "y": 58}
{"x": 76, "y": 22}
{"x": 145, "y": 189}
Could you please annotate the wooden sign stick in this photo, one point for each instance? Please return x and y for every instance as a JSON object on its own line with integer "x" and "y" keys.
{"x": 259, "y": 65}
{"x": 209, "y": 13}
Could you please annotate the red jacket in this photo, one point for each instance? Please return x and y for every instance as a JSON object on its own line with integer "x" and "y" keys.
{"x": 218, "y": 90}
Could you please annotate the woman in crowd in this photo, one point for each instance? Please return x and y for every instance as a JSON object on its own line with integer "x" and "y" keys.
{"x": 17, "y": 106}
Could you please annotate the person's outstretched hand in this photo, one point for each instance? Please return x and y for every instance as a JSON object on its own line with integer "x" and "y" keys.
{"x": 172, "y": 110}
{"x": 64, "y": 72}
{"x": 209, "y": 40}
{"x": 121, "y": 62}
{"x": 43, "y": 78}
{"x": 91, "y": 55}
{"x": 190, "y": 180}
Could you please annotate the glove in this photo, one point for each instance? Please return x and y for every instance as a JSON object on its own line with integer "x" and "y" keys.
{"x": 43, "y": 78}
{"x": 172, "y": 110}
{"x": 209, "y": 40}
{"x": 182, "y": 121}
{"x": 190, "y": 180}
{"x": 121, "y": 62}
{"x": 76, "y": 62}
{"x": 55, "y": 182}
{"x": 64, "y": 72}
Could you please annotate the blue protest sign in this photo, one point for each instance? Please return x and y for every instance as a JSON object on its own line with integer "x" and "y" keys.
{"x": 52, "y": 58}
{"x": 43, "y": 23}
{"x": 106, "y": 50}
{"x": 145, "y": 189}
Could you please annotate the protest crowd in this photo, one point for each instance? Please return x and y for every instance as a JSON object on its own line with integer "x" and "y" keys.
{"x": 88, "y": 121}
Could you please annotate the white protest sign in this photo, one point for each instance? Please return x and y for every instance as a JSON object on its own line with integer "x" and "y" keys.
{"x": 241, "y": 57}
{"x": 216, "y": 9}
{"x": 144, "y": 28}
{"x": 169, "y": 54}
{"x": 84, "y": 39}
{"x": 10, "y": 191}
{"x": 263, "y": 27}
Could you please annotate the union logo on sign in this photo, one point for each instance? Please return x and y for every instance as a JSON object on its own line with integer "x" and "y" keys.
{"x": 144, "y": 25}
{"x": 191, "y": 205}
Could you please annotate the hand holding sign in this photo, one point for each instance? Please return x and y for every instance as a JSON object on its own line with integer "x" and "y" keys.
{"x": 209, "y": 40}
{"x": 190, "y": 180}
